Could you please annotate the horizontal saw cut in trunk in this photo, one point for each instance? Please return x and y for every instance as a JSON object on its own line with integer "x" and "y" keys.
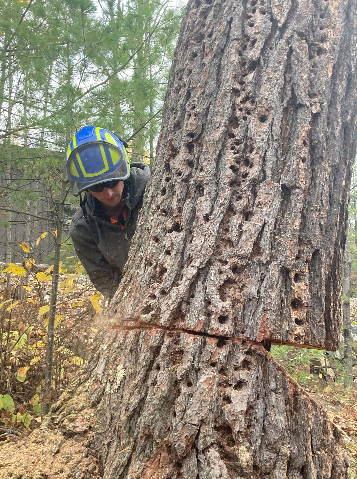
{"x": 243, "y": 228}
{"x": 189, "y": 407}
{"x": 164, "y": 405}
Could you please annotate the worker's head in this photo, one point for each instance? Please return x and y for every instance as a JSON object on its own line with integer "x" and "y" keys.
{"x": 96, "y": 159}
{"x": 109, "y": 193}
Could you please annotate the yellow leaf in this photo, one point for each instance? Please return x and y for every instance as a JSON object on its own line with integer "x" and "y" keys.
{"x": 94, "y": 299}
{"x": 35, "y": 360}
{"x": 41, "y": 237}
{"x": 69, "y": 290}
{"x": 25, "y": 247}
{"x": 30, "y": 300}
{"x": 94, "y": 330}
{"x": 44, "y": 309}
{"x": 21, "y": 373}
{"x": 27, "y": 288}
{"x": 77, "y": 360}
{"x": 96, "y": 296}
{"x": 43, "y": 276}
{"x": 65, "y": 283}
{"x": 15, "y": 269}
{"x": 58, "y": 319}
{"x": 38, "y": 419}
{"x": 49, "y": 270}
{"x": 77, "y": 303}
{"x": 146, "y": 157}
{"x": 54, "y": 233}
{"x": 12, "y": 306}
{"x": 29, "y": 263}
{"x": 39, "y": 344}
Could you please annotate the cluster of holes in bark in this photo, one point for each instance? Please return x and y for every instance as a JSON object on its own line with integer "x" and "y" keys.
{"x": 241, "y": 155}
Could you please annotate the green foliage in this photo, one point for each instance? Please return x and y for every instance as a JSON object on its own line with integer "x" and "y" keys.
{"x": 77, "y": 62}
{"x": 23, "y": 339}
{"x": 312, "y": 368}
{"x": 6, "y": 402}
{"x": 69, "y": 257}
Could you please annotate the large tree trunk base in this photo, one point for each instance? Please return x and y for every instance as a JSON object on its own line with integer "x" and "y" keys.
{"x": 176, "y": 405}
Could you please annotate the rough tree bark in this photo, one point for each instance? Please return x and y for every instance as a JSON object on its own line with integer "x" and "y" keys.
{"x": 240, "y": 241}
{"x": 245, "y": 222}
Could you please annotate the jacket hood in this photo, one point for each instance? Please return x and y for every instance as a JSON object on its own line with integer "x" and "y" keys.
{"x": 135, "y": 186}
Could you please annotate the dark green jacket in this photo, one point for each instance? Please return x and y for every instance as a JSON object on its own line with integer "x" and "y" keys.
{"x": 102, "y": 246}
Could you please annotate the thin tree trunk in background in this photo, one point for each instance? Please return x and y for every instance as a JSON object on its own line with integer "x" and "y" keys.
{"x": 46, "y": 102}
{"x": 27, "y": 239}
{"x": 53, "y": 301}
{"x": 8, "y": 250}
{"x": 3, "y": 75}
{"x": 9, "y": 100}
{"x": 8, "y": 253}
{"x": 347, "y": 324}
{"x": 25, "y": 111}
{"x": 8, "y": 176}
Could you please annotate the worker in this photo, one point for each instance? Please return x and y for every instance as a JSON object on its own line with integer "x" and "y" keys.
{"x": 102, "y": 229}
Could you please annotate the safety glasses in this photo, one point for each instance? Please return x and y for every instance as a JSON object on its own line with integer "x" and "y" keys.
{"x": 106, "y": 184}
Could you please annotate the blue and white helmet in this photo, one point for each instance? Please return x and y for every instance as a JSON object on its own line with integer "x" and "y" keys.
{"x": 95, "y": 155}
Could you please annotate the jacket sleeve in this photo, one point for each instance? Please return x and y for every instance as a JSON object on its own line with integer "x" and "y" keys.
{"x": 103, "y": 275}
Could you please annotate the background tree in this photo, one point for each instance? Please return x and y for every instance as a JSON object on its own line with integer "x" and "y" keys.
{"x": 65, "y": 64}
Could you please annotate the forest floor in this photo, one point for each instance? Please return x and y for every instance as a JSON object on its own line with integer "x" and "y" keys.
{"x": 339, "y": 403}
{"x": 322, "y": 375}
{"x": 23, "y": 332}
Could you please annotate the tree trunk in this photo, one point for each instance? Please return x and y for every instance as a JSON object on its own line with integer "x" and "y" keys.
{"x": 177, "y": 405}
{"x": 240, "y": 241}
{"x": 53, "y": 301}
{"x": 244, "y": 226}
